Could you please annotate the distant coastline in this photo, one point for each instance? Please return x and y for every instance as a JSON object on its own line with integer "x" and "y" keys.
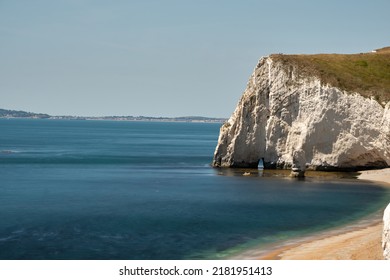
{"x": 13, "y": 114}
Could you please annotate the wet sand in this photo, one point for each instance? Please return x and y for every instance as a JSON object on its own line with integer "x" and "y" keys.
{"x": 361, "y": 241}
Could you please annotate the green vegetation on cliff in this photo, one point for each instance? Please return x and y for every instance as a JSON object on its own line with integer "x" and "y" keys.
{"x": 366, "y": 73}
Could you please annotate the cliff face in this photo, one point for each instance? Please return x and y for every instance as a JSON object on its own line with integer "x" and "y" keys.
{"x": 292, "y": 119}
{"x": 386, "y": 234}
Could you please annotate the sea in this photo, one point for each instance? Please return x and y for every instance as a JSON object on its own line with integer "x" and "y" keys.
{"x": 89, "y": 190}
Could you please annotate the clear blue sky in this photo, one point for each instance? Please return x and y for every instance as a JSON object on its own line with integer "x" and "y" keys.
{"x": 164, "y": 58}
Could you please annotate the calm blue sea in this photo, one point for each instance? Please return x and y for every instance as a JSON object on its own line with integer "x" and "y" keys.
{"x": 145, "y": 190}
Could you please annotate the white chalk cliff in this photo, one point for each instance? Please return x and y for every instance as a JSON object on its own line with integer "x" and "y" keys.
{"x": 386, "y": 234}
{"x": 295, "y": 120}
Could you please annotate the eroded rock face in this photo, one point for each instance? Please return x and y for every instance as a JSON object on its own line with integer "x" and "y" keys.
{"x": 294, "y": 121}
{"x": 386, "y": 234}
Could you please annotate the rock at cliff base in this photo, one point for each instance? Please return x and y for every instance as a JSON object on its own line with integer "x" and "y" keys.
{"x": 297, "y": 174}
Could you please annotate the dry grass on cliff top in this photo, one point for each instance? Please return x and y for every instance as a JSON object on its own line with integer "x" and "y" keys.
{"x": 365, "y": 73}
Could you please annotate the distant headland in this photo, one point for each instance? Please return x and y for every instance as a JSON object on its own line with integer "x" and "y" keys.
{"x": 13, "y": 114}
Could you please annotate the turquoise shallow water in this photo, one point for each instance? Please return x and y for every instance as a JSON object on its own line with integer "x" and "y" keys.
{"x": 145, "y": 190}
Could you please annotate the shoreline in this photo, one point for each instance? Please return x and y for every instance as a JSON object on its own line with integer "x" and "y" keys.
{"x": 360, "y": 240}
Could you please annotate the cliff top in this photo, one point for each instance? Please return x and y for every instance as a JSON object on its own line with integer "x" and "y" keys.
{"x": 365, "y": 73}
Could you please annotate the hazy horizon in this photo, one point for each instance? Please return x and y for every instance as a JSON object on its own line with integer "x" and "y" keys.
{"x": 172, "y": 58}
{"x": 98, "y": 116}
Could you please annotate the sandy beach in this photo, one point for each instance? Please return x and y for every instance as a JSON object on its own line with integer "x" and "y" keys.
{"x": 361, "y": 242}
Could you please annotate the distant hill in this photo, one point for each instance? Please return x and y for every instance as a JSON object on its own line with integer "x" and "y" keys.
{"x": 8, "y": 114}
{"x": 365, "y": 73}
{"x": 21, "y": 114}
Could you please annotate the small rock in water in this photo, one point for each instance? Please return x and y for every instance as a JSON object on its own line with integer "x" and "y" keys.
{"x": 297, "y": 173}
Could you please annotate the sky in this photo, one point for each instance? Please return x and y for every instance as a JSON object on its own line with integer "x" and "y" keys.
{"x": 164, "y": 58}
